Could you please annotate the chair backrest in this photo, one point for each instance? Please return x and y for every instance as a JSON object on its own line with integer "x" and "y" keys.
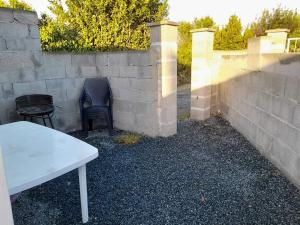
{"x": 33, "y": 100}
{"x": 97, "y": 90}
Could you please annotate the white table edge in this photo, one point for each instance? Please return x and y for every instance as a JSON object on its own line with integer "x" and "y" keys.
{"x": 42, "y": 180}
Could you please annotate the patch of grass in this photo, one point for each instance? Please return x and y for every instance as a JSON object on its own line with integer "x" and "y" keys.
{"x": 128, "y": 139}
{"x": 184, "y": 116}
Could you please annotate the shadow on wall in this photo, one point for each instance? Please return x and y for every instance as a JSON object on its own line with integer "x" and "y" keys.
{"x": 259, "y": 94}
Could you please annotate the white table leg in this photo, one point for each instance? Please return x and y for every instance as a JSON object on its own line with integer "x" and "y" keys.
{"x": 83, "y": 193}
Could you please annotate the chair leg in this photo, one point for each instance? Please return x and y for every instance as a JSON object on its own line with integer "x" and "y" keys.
{"x": 24, "y": 118}
{"x": 111, "y": 119}
{"x": 50, "y": 120}
{"x": 109, "y": 122}
{"x": 90, "y": 122}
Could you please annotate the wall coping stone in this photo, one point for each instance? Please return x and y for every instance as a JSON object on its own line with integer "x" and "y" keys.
{"x": 203, "y": 30}
{"x": 17, "y": 10}
{"x": 277, "y": 30}
{"x": 164, "y": 22}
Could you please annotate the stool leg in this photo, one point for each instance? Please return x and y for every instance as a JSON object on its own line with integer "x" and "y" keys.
{"x": 31, "y": 119}
{"x": 51, "y": 122}
{"x": 44, "y": 121}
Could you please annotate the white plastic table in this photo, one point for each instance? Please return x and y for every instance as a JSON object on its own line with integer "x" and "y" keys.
{"x": 34, "y": 154}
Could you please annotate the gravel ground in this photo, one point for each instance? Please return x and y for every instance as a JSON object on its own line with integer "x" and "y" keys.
{"x": 206, "y": 174}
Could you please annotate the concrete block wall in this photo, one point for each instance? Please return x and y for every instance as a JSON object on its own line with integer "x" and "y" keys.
{"x": 143, "y": 82}
{"x": 259, "y": 94}
{"x": 261, "y": 98}
{"x": 18, "y": 30}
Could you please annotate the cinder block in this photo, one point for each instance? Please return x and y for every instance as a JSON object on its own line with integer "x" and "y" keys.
{"x": 102, "y": 71}
{"x": 278, "y": 85}
{"x": 73, "y": 71}
{"x": 199, "y": 102}
{"x": 113, "y": 71}
{"x": 139, "y": 59}
{"x": 6, "y": 15}
{"x": 101, "y": 59}
{"x": 145, "y": 125}
{"x": 148, "y": 109}
{"x": 57, "y": 59}
{"x": 269, "y": 123}
{"x": 25, "y": 17}
{"x": 73, "y": 94}
{"x": 59, "y": 94}
{"x": 48, "y": 72}
{"x": 3, "y": 45}
{"x": 71, "y": 107}
{"x": 84, "y": 59}
{"x": 117, "y": 59}
{"x": 200, "y": 114}
{"x": 168, "y": 115}
{"x": 296, "y": 117}
{"x": 13, "y": 30}
{"x": 166, "y": 130}
{"x": 123, "y": 105}
{"x": 122, "y": 83}
{"x": 34, "y": 31}
{"x": 37, "y": 87}
{"x": 264, "y": 101}
{"x": 27, "y": 74}
{"x": 88, "y": 71}
{"x": 143, "y": 84}
{"x": 147, "y": 72}
{"x": 284, "y": 155}
{"x": 23, "y": 44}
{"x": 10, "y": 60}
{"x": 292, "y": 89}
{"x": 7, "y": 90}
{"x": 283, "y": 108}
{"x": 124, "y": 120}
{"x": 55, "y": 84}
{"x": 288, "y": 135}
{"x": 130, "y": 71}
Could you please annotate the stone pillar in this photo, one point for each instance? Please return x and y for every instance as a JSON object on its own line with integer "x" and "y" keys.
{"x": 164, "y": 55}
{"x": 5, "y": 207}
{"x": 278, "y": 39}
{"x": 201, "y": 80}
{"x": 259, "y": 45}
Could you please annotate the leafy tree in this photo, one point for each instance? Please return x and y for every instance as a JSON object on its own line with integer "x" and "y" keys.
{"x": 248, "y": 33}
{"x": 204, "y": 22}
{"x": 277, "y": 18}
{"x": 231, "y": 35}
{"x": 101, "y": 24}
{"x": 15, "y": 4}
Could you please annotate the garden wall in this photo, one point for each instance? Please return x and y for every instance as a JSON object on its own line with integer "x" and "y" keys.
{"x": 259, "y": 94}
{"x": 143, "y": 82}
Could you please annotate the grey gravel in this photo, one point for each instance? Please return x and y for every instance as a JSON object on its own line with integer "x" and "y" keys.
{"x": 206, "y": 174}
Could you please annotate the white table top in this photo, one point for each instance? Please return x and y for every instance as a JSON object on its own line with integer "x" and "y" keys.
{"x": 34, "y": 154}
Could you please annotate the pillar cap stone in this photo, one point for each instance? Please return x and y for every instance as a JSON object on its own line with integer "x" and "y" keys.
{"x": 164, "y": 22}
{"x": 278, "y": 30}
{"x": 203, "y": 30}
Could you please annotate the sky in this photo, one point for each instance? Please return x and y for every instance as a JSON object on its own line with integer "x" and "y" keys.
{"x": 219, "y": 10}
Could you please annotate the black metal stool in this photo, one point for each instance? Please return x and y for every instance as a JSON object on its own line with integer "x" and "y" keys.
{"x": 36, "y": 106}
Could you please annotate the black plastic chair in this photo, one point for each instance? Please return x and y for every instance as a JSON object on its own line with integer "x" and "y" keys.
{"x": 96, "y": 102}
{"x": 36, "y": 106}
